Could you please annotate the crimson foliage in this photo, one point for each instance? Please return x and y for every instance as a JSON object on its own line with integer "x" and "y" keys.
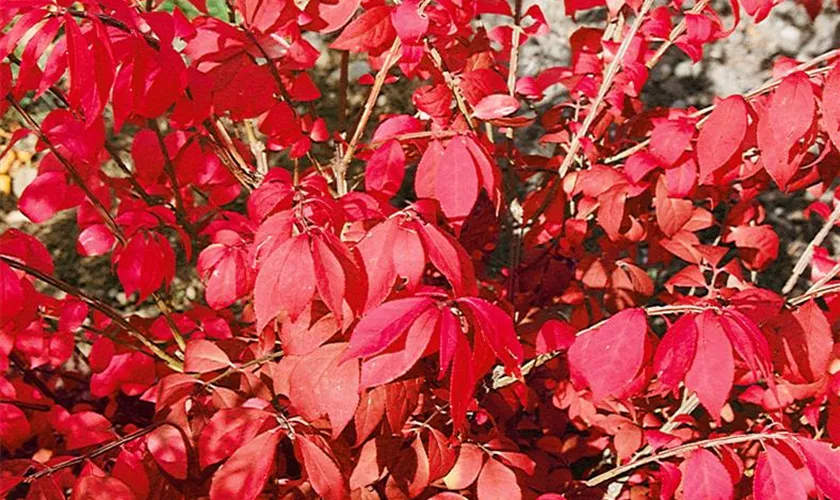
{"x": 598, "y": 321}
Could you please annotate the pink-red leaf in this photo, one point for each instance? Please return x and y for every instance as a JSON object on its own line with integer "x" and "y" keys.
{"x": 823, "y": 462}
{"x": 713, "y": 370}
{"x": 721, "y": 135}
{"x": 166, "y": 445}
{"x": 322, "y": 470}
{"x": 776, "y": 479}
{"x": 244, "y": 474}
{"x": 705, "y": 477}
{"x": 495, "y": 106}
{"x": 285, "y": 282}
{"x": 385, "y": 169}
{"x": 321, "y": 384}
{"x": 497, "y": 481}
{"x": 204, "y": 356}
{"x": 609, "y": 358}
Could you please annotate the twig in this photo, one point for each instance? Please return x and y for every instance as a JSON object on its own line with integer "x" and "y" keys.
{"x": 95, "y": 453}
{"x": 675, "y": 33}
{"x": 609, "y": 76}
{"x": 100, "y": 306}
{"x": 757, "y": 91}
{"x": 678, "y": 450}
{"x": 460, "y": 102}
{"x": 340, "y": 167}
{"x": 808, "y": 254}
{"x": 813, "y": 294}
{"x": 687, "y": 407}
{"x": 235, "y": 369}
{"x": 23, "y": 405}
{"x": 230, "y": 156}
{"x": 30, "y": 377}
{"x": 529, "y": 366}
{"x": 169, "y": 168}
{"x": 74, "y": 174}
{"x": 831, "y": 274}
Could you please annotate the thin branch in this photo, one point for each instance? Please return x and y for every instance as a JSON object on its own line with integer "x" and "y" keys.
{"x": 74, "y": 174}
{"x": 808, "y": 254}
{"x": 752, "y": 94}
{"x": 675, "y": 33}
{"x": 609, "y": 76}
{"x": 31, "y": 377}
{"x": 93, "y": 454}
{"x": 815, "y": 293}
{"x": 100, "y": 306}
{"x": 236, "y": 369}
{"x": 169, "y": 168}
{"x": 23, "y": 405}
{"x": 529, "y": 366}
{"x": 707, "y": 443}
{"x": 230, "y": 156}
{"x": 340, "y": 166}
{"x": 450, "y": 81}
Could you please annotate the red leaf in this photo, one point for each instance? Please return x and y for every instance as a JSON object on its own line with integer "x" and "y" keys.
{"x": 759, "y": 245}
{"x": 497, "y": 481}
{"x": 370, "y": 32}
{"x": 385, "y": 169}
{"x": 244, "y": 474}
{"x": 227, "y": 431}
{"x": 327, "y": 480}
{"x": 807, "y": 340}
{"x": 496, "y": 326}
{"x": 609, "y": 358}
{"x": 11, "y": 294}
{"x": 713, "y": 370}
{"x": 461, "y": 382}
{"x": 285, "y": 282}
{"x": 457, "y": 191}
{"x": 402, "y": 355}
{"x": 382, "y": 326}
{"x": 450, "y": 258}
{"x": 48, "y": 194}
{"x": 94, "y": 487}
{"x": 823, "y": 462}
{"x": 676, "y": 352}
{"x": 336, "y": 15}
{"x": 369, "y": 413}
{"x": 830, "y": 105}
{"x": 377, "y": 253}
{"x": 427, "y": 170}
{"x": 789, "y": 116}
{"x": 466, "y": 469}
{"x": 670, "y": 138}
{"x": 495, "y": 106}
{"x": 721, "y": 135}
{"x": 705, "y": 477}
{"x": 410, "y": 25}
{"x": 321, "y": 385}
{"x": 224, "y": 268}
{"x": 401, "y": 398}
{"x": 166, "y": 445}
{"x": 329, "y": 276}
{"x": 671, "y": 213}
{"x": 204, "y": 356}
{"x": 441, "y": 455}
{"x": 776, "y": 479}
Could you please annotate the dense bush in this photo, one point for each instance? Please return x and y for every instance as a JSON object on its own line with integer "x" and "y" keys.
{"x": 407, "y": 300}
